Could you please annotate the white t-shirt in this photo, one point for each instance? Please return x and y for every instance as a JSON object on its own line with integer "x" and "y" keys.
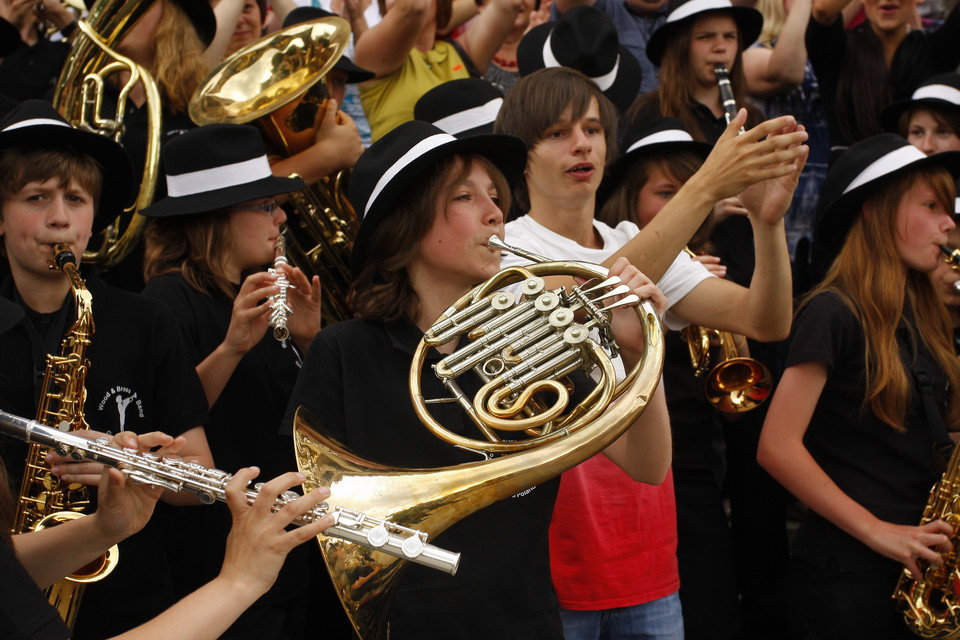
{"x": 526, "y": 233}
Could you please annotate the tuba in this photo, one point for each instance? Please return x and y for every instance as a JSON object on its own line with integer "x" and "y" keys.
{"x": 519, "y": 344}
{"x": 79, "y": 99}
{"x": 44, "y": 499}
{"x": 278, "y": 82}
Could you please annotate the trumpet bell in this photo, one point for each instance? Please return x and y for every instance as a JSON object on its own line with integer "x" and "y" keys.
{"x": 738, "y": 385}
{"x": 270, "y": 73}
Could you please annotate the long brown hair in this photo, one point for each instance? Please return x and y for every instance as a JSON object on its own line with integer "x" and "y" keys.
{"x": 179, "y": 67}
{"x": 195, "y": 247}
{"x": 382, "y": 292}
{"x": 675, "y": 97}
{"x": 622, "y": 203}
{"x": 869, "y": 276}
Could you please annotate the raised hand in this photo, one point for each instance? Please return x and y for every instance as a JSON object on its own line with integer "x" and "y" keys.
{"x": 305, "y": 301}
{"x": 768, "y": 200}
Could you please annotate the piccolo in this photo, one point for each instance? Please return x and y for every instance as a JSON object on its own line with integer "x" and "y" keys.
{"x": 209, "y": 485}
{"x": 280, "y": 310}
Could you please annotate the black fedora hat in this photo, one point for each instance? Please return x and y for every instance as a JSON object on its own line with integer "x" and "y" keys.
{"x": 461, "y": 107}
{"x": 585, "y": 39}
{"x": 663, "y": 135}
{"x": 214, "y": 167}
{"x": 682, "y": 12}
{"x": 355, "y": 74}
{"x": 36, "y": 124}
{"x": 395, "y": 162}
{"x": 201, "y": 15}
{"x": 941, "y": 91}
{"x": 861, "y": 171}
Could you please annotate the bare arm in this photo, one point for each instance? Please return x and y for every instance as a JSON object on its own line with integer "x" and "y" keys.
{"x": 462, "y": 12}
{"x": 769, "y": 151}
{"x": 337, "y": 146}
{"x": 827, "y": 11}
{"x": 772, "y": 71}
{"x": 486, "y": 34}
{"x": 383, "y": 47}
{"x": 782, "y": 453}
{"x": 564, "y": 5}
{"x": 644, "y": 450}
{"x": 281, "y": 9}
{"x": 227, "y": 13}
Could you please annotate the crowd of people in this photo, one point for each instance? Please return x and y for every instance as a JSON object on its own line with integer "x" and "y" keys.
{"x": 778, "y": 178}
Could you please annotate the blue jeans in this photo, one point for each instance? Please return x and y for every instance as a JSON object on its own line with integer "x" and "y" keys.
{"x": 658, "y": 620}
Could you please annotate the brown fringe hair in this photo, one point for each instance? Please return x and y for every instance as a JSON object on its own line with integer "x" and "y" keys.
{"x": 869, "y": 276}
{"x": 22, "y": 165}
{"x": 622, "y": 203}
{"x": 538, "y": 101}
{"x": 179, "y": 67}
{"x": 195, "y": 246}
{"x": 943, "y": 117}
{"x": 382, "y": 292}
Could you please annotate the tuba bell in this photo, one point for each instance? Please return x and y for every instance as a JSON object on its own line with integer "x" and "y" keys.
{"x": 523, "y": 338}
{"x": 277, "y": 82}
{"x": 79, "y": 99}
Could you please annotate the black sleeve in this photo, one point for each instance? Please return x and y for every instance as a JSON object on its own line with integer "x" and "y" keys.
{"x": 170, "y": 290}
{"x": 24, "y": 611}
{"x": 943, "y": 41}
{"x": 825, "y": 50}
{"x": 181, "y": 401}
{"x": 823, "y": 331}
{"x": 320, "y": 387}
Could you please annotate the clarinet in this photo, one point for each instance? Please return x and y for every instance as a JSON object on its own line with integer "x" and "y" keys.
{"x": 952, "y": 257}
{"x": 726, "y": 92}
{"x": 278, "y": 303}
{"x": 209, "y": 485}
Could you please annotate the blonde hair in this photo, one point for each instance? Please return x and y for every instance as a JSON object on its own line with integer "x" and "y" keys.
{"x": 179, "y": 67}
{"x": 774, "y": 17}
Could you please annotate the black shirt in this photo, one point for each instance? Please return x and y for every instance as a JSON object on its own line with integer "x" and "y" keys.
{"x": 887, "y": 471}
{"x": 354, "y": 379}
{"x": 25, "y": 613}
{"x": 139, "y": 380}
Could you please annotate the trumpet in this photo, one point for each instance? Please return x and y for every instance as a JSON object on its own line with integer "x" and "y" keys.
{"x": 952, "y": 257}
{"x": 209, "y": 485}
{"x": 278, "y": 303}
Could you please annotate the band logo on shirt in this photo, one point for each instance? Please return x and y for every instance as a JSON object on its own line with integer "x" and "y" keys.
{"x": 118, "y": 400}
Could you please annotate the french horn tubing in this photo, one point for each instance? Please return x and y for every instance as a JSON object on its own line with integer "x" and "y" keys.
{"x": 521, "y": 340}
{"x": 79, "y": 99}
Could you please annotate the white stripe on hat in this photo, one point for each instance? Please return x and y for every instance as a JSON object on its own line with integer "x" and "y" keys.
{"x": 938, "y": 91}
{"x": 669, "y": 135}
{"x": 418, "y": 150}
{"x": 604, "y": 82}
{"x": 889, "y": 163}
{"x": 37, "y": 122}
{"x": 956, "y": 205}
{"x": 470, "y": 118}
{"x": 697, "y": 6}
{"x": 222, "y": 177}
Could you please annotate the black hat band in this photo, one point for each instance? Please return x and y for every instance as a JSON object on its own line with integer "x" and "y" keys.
{"x": 470, "y": 118}
{"x": 888, "y": 163}
{"x": 419, "y": 149}
{"x": 222, "y": 177}
{"x": 604, "y": 82}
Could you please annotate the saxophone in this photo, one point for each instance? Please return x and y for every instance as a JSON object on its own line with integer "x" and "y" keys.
{"x": 45, "y": 500}
{"x": 930, "y": 602}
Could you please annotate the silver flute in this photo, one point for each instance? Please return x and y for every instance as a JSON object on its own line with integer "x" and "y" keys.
{"x": 278, "y": 303}
{"x": 209, "y": 485}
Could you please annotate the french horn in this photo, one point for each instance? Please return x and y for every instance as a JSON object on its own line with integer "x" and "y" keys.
{"x": 522, "y": 338}
{"x": 277, "y": 83}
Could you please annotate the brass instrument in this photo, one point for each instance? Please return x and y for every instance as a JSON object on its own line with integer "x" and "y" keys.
{"x": 278, "y": 303}
{"x": 952, "y": 257}
{"x": 278, "y": 83}
{"x": 930, "y": 602}
{"x": 45, "y": 500}
{"x": 519, "y": 344}
{"x": 209, "y": 485}
{"x": 79, "y": 99}
{"x": 736, "y": 384}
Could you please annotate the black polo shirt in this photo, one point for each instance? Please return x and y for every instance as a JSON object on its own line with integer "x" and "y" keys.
{"x": 25, "y": 613}
{"x": 139, "y": 380}
{"x": 887, "y": 471}
{"x": 354, "y": 379}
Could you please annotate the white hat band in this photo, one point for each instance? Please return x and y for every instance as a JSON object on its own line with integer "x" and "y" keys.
{"x": 937, "y": 91}
{"x": 692, "y": 7}
{"x": 470, "y": 118}
{"x": 660, "y": 137}
{"x": 889, "y": 163}
{"x": 418, "y": 150}
{"x": 230, "y": 175}
{"x": 37, "y": 122}
{"x": 604, "y": 82}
